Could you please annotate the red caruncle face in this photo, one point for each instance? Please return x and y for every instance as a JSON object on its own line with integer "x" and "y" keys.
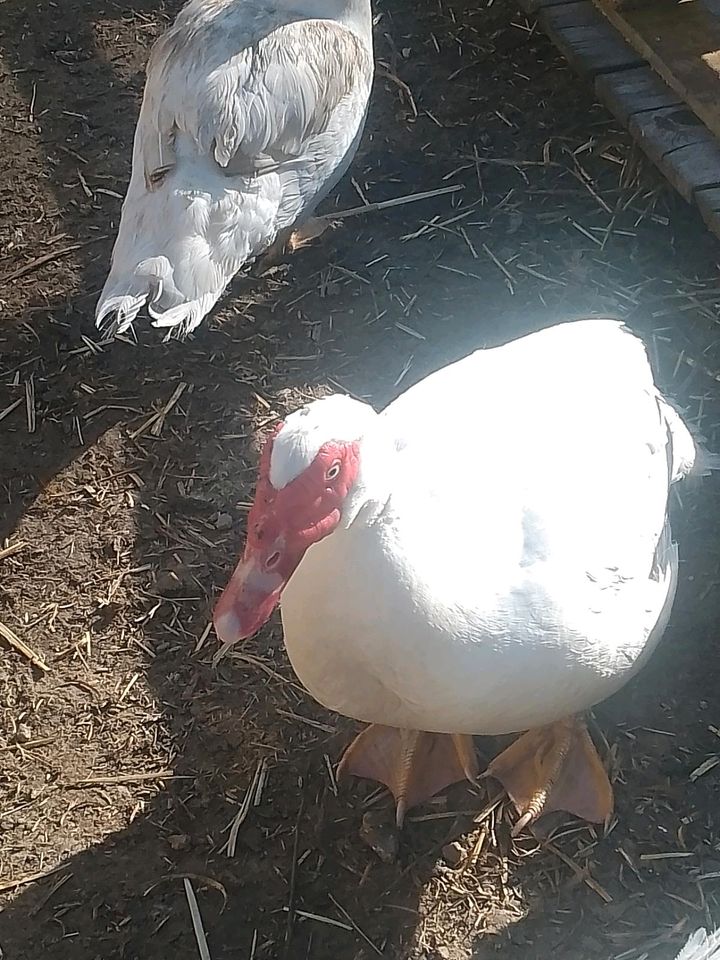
{"x": 282, "y": 524}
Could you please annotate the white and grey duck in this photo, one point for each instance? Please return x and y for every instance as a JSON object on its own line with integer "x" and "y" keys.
{"x": 252, "y": 112}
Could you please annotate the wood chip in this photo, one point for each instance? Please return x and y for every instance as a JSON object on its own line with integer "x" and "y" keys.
{"x": 12, "y": 548}
{"x": 704, "y": 768}
{"x": 17, "y": 644}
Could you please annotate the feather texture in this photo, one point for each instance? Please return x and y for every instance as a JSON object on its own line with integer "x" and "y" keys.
{"x": 700, "y": 946}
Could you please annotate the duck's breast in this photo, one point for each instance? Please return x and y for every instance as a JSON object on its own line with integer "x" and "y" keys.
{"x": 487, "y": 651}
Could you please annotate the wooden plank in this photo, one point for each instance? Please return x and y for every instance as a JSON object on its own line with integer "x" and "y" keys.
{"x": 634, "y": 4}
{"x": 634, "y": 91}
{"x": 672, "y": 136}
{"x": 532, "y": 6}
{"x": 586, "y": 39}
{"x": 669, "y": 128}
{"x": 708, "y": 202}
{"x": 680, "y": 145}
{"x": 682, "y": 43}
{"x": 692, "y": 168}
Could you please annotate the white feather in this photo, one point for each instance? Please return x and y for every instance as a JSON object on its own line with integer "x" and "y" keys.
{"x": 306, "y": 430}
{"x": 700, "y": 946}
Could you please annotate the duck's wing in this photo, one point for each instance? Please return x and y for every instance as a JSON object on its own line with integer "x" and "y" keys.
{"x": 245, "y": 121}
{"x": 252, "y": 96}
{"x": 553, "y": 458}
{"x": 577, "y": 398}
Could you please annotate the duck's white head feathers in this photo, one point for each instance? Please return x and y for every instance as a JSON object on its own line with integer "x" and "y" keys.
{"x": 304, "y": 432}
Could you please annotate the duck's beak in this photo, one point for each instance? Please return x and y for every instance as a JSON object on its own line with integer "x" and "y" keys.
{"x": 253, "y": 592}
{"x": 246, "y": 602}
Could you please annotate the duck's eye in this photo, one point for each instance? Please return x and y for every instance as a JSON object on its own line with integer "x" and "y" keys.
{"x": 333, "y": 471}
{"x": 272, "y": 560}
{"x": 157, "y": 176}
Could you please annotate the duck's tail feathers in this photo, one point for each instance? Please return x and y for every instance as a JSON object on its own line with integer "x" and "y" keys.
{"x": 700, "y": 946}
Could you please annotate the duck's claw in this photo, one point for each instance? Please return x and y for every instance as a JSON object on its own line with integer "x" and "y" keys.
{"x": 308, "y": 231}
{"x": 413, "y": 765}
{"x": 554, "y": 768}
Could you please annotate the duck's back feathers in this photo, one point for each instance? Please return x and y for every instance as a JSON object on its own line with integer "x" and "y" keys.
{"x": 249, "y": 117}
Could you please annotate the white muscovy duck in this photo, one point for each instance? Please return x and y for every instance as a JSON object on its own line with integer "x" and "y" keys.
{"x": 490, "y": 554}
{"x": 252, "y": 112}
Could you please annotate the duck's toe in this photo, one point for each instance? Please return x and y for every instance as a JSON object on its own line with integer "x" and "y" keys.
{"x": 555, "y": 767}
{"x": 413, "y": 765}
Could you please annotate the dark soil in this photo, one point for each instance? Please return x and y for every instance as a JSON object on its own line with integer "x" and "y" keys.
{"x": 125, "y": 762}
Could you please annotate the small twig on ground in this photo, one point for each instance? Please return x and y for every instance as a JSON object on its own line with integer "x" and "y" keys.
{"x": 321, "y": 919}
{"x": 156, "y": 421}
{"x": 47, "y": 258}
{"x": 28, "y": 878}
{"x": 290, "y": 925}
{"x": 127, "y": 778}
{"x": 248, "y": 801}
{"x": 580, "y": 872}
{"x": 51, "y": 892}
{"x": 12, "y": 548}
{"x": 501, "y": 267}
{"x": 17, "y": 644}
{"x": 197, "y": 923}
{"x": 395, "y": 202}
{"x": 200, "y": 877}
{"x": 13, "y": 406}
{"x": 356, "y": 928}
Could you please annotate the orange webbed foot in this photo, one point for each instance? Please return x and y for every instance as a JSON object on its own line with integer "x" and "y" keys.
{"x": 413, "y": 765}
{"x": 555, "y": 767}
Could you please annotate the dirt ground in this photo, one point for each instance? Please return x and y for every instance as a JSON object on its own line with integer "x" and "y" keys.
{"x": 125, "y": 762}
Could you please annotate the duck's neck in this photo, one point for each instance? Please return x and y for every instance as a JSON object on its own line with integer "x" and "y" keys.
{"x": 373, "y": 485}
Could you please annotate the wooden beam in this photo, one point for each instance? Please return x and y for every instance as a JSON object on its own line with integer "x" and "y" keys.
{"x": 533, "y": 6}
{"x": 708, "y": 202}
{"x": 681, "y": 146}
{"x": 586, "y": 39}
{"x": 634, "y": 91}
{"x": 682, "y": 43}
